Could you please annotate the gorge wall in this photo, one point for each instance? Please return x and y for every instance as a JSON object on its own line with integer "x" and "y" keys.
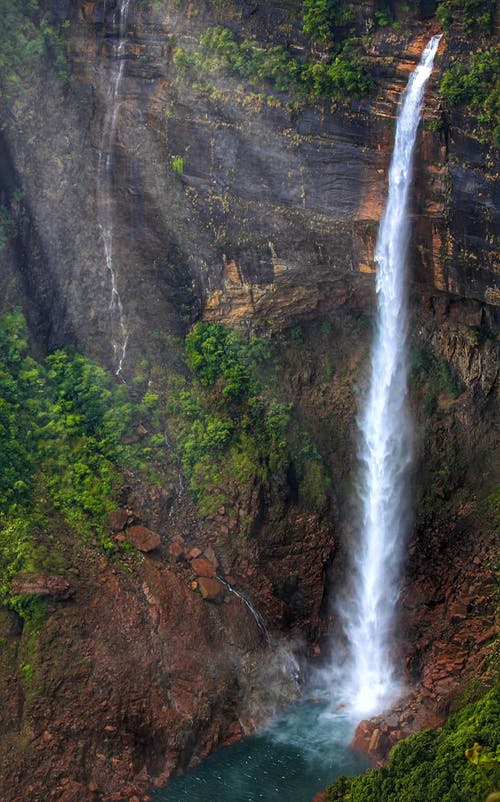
{"x": 243, "y": 205}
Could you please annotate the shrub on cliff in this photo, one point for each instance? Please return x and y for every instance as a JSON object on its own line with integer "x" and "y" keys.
{"x": 322, "y": 16}
{"x": 475, "y": 86}
{"x": 340, "y": 76}
{"x": 229, "y": 426}
{"x": 62, "y": 427}
{"x": 431, "y": 766}
{"x": 26, "y": 35}
{"x": 472, "y": 14}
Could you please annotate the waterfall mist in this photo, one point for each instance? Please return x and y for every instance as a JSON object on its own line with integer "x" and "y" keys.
{"x": 369, "y": 680}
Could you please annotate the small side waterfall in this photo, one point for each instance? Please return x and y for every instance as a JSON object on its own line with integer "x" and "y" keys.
{"x": 248, "y": 604}
{"x": 119, "y": 333}
{"x": 386, "y": 438}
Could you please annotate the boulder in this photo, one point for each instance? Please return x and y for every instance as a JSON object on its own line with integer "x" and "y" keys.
{"x": 203, "y": 567}
{"x": 176, "y": 552}
{"x": 53, "y": 586}
{"x": 142, "y": 538}
{"x": 210, "y": 555}
{"x": 117, "y": 519}
{"x": 211, "y": 589}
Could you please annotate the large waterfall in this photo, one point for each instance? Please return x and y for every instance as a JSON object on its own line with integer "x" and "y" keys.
{"x": 385, "y": 437}
{"x": 119, "y": 333}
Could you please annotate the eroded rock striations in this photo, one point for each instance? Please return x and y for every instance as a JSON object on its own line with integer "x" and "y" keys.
{"x": 243, "y": 206}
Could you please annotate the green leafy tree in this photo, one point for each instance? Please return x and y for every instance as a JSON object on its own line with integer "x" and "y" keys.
{"x": 322, "y": 16}
{"x": 431, "y": 766}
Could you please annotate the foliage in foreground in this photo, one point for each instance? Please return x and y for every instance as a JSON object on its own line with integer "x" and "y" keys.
{"x": 431, "y": 766}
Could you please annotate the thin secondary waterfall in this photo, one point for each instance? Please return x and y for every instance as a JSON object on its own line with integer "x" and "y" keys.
{"x": 386, "y": 437}
{"x": 119, "y": 333}
{"x": 248, "y": 604}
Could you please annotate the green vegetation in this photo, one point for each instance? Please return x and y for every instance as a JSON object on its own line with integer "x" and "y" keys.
{"x": 434, "y": 376}
{"x": 432, "y": 766}
{"x": 230, "y": 428}
{"x": 62, "y": 425}
{"x": 5, "y": 226}
{"x": 225, "y": 429}
{"x": 472, "y": 14}
{"x": 178, "y": 164}
{"x": 67, "y": 430}
{"x": 321, "y": 17}
{"x": 27, "y": 672}
{"x": 26, "y": 36}
{"x": 340, "y": 76}
{"x": 475, "y": 86}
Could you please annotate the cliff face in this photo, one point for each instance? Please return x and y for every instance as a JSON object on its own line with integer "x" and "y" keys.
{"x": 238, "y": 204}
{"x": 273, "y": 213}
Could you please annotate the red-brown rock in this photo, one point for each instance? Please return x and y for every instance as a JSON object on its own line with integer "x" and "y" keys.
{"x": 176, "y": 552}
{"x": 320, "y": 797}
{"x": 211, "y": 589}
{"x": 203, "y": 567}
{"x": 210, "y": 555}
{"x": 53, "y": 586}
{"x": 143, "y": 538}
{"x": 117, "y": 519}
{"x": 362, "y": 736}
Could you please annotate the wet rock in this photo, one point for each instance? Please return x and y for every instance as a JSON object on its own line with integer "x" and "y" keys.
{"x": 378, "y": 743}
{"x": 142, "y": 538}
{"x": 362, "y": 736}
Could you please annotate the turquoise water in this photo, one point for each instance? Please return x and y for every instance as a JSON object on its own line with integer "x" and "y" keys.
{"x": 292, "y": 759}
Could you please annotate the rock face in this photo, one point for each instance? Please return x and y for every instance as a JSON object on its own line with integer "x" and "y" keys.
{"x": 271, "y": 218}
{"x": 268, "y": 222}
{"x": 132, "y": 675}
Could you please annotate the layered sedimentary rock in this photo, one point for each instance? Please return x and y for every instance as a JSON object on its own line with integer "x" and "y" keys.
{"x": 273, "y": 213}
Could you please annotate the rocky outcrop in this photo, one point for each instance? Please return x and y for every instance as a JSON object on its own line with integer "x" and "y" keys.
{"x": 139, "y": 674}
{"x": 55, "y": 587}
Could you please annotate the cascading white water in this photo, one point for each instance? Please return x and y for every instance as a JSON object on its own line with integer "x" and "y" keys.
{"x": 105, "y": 178}
{"x": 386, "y": 438}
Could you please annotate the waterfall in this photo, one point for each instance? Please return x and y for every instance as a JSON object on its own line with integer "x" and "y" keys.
{"x": 385, "y": 438}
{"x": 119, "y": 333}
